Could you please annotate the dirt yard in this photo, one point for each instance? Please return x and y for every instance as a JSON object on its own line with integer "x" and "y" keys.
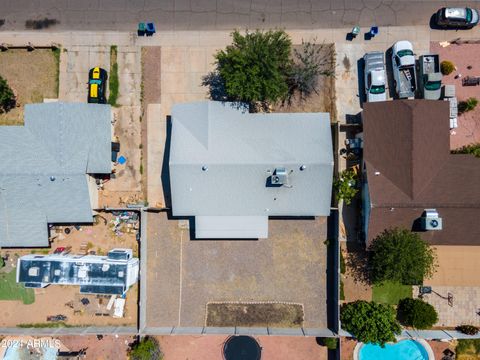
{"x": 53, "y": 300}
{"x": 32, "y": 75}
{"x": 465, "y": 58}
{"x": 210, "y": 347}
{"x": 324, "y": 99}
{"x": 108, "y": 348}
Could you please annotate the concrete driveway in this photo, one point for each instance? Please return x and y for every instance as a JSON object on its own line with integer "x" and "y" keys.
{"x": 184, "y": 275}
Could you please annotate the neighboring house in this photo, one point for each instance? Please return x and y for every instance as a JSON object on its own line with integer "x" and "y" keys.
{"x": 44, "y": 167}
{"x": 232, "y": 169}
{"x": 111, "y": 274}
{"x": 410, "y": 178}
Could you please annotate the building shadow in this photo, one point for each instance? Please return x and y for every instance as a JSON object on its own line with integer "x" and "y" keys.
{"x": 362, "y": 97}
{"x": 357, "y": 262}
{"x": 165, "y": 175}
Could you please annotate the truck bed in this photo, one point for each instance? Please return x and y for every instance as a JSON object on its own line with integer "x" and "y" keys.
{"x": 430, "y": 64}
{"x": 407, "y": 82}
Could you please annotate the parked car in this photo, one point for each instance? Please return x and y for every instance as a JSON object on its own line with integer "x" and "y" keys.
{"x": 457, "y": 18}
{"x": 403, "y": 66}
{"x": 375, "y": 79}
{"x": 430, "y": 77}
{"x": 97, "y": 79}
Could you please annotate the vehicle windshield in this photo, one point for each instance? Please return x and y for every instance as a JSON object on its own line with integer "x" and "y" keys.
{"x": 377, "y": 89}
{"x": 469, "y": 15}
{"x": 405, "y": 52}
{"x": 93, "y": 81}
{"x": 433, "y": 85}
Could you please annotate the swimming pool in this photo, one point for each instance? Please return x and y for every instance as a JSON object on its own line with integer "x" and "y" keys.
{"x": 402, "y": 350}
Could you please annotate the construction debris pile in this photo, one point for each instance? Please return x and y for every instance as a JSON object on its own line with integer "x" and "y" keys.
{"x": 125, "y": 222}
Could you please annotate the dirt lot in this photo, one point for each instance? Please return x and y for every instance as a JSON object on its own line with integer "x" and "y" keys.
{"x": 462, "y": 56}
{"x": 32, "y": 75}
{"x": 210, "y": 347}
{"x": 108, "y": 348}
{"x": 51, "y": 300}
{"x": 324, "y": 99}
{"x": 184, "y": 275}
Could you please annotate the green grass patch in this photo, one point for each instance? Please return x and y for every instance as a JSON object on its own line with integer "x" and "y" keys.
{"x": 10, "y": 290}
{"x": 343, "y": 266}
{"x": 342, "y": 291}
{"x": 468, "y": 348}
{"x": 113, "y": 82}
{"x": 390, "y": 292}
{"x": 46, "y": 325}
{"x": 56, "y": 54}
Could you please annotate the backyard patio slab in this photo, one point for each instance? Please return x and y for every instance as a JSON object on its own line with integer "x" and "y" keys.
{"x": 184, "y": 275}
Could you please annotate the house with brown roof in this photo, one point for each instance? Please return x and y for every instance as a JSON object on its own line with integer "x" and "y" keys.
{"x": 411, "y": 180}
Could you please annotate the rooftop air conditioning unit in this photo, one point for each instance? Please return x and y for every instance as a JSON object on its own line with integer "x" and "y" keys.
{"x": 430, "y": 220}
{"x": 280, "y": 177}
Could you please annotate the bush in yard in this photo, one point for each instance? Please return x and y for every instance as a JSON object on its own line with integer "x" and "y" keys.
{"x": 401, "y": 255}
{"x": 467, "y": 329}
{"x": 254, "y": 68}
{"x": 308, "y": 64}
{"x": 147, "y": 348}
{"x": 329, "y": 343}
{"x": 467, "y": 105}
{"x": 473, "y": 149}
{"x": 344, "y": 186}
{"x": 2, "y": 262}
{"x": 370, "y": 322}
{"x": 416, "y": 313}
{"x": 7, "y": 97}
{"x": 447, "y": 67}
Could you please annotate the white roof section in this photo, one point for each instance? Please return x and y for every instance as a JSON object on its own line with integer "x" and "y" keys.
{"x": 231, "y": 227}
{"x": 221, "y": 159}
{"x": 43, "y": 167}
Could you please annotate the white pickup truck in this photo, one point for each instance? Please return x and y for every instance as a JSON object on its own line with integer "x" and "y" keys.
{"x": 403, "y": 66}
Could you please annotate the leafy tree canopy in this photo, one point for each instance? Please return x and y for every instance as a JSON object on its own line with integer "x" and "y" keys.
{"x": 401, "y": 255}
{"x": 370, "y": 322}
{"x": 254, "y": 67}
{"x": 416, "y": 313}
{"x": 7, "y": 97}
{"x": 146, "y": 349}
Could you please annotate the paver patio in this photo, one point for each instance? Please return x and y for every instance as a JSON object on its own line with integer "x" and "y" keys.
{"x": 466, "y": 305}
{"x": 184, "y": 275}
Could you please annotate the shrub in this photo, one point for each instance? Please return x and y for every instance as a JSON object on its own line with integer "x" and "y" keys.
{"x": 447, "y": 67}
{"x": 146, "y": 349}
{"x": 467, "y": 329}
{"x": 416, "y": 313}
{"x": 328, "y": 342}
{"x": 468, "y": 347}
{"x": 342, "y": 263}
{"x": 468, "y": 105}
{"x": 370, "y": 322}
{"x": 7, "y": 97}
{"x": 2, "y": 262}
{"x": 401, "y": 255}
{"x": 473, "y": 149}
{"x": 342, "y": 291}
{"x": 344, "y": 186}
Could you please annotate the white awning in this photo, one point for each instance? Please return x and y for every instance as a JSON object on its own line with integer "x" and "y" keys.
{"x": 231, "y": 227}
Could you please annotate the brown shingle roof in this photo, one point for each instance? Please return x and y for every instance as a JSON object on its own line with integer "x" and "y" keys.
{"x": 410, "y": 168}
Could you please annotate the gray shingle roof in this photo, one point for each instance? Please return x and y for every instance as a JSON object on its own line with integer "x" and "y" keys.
{"x": 238, "y": 148}
{"x": 44, "y": 166}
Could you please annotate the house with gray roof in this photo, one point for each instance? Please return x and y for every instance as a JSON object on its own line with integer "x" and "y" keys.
{"x": 232, "y": 170}
{"x": 45, "y": 168}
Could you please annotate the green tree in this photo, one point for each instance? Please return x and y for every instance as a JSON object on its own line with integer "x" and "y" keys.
{"x": 254, "y": 68}
{"x": 370, "y": 322}
{"x": 401, "y": 255}
{"x": 344, "y": 186}
{"x": 147, "y": 348}
{"x": 328, "y": 342}
{"x": 416, "y": 313}
{"x": 7, "y": 97}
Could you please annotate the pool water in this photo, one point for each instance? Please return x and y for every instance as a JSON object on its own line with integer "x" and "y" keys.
{"x": 402, "y": 350}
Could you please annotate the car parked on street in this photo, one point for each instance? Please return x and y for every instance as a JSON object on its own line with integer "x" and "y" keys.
{"x": 403, "y": 67}
{"x": 97, "y": 79}
{"x": 456, "y": 18}
{"x": 375, "y": 79}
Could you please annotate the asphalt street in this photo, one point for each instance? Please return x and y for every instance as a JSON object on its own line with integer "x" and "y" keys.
{"x": 123, "y": 15}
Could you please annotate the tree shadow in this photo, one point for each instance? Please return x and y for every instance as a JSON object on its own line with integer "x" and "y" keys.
{"x": 357, "y": 262}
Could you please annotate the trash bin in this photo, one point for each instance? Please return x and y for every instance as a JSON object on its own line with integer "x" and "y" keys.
{"x": 141, "y": 29}
{"x": 373, "y": 31}
{"x": 150, "y": 29}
